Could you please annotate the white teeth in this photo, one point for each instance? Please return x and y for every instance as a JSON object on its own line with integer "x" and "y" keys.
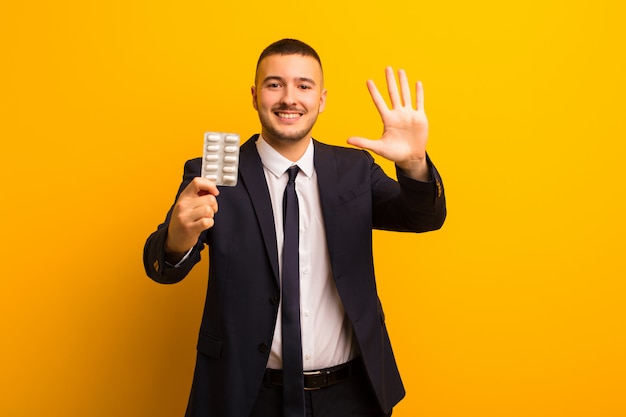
{"x": 288, "y": 115}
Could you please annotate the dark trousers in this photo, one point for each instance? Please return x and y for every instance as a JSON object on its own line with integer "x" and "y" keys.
{"x": 352, "y": 397}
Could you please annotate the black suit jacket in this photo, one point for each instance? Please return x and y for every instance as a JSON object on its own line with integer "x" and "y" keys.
{"x": 243, "y": 290}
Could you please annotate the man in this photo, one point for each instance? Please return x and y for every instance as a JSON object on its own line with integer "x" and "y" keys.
{"x": 343, "y": 365}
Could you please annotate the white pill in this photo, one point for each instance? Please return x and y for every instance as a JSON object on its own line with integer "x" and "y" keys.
{"x": 230, "y": 158}
{"x": 229, "y": 178}
{"x": 212, "y": 137}
{"x": 212, "y": 177}
{"x": 213, "y": 148}
{"x": 230, "y": 170}
{"x": 230, "y": 149}
{"x": 211, "y": 167}
{"x": 212, "y": 158}
{"x": 231, "y": 139}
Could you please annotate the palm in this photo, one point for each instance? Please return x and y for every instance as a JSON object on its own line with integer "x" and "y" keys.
{"x": 405, "y": 129}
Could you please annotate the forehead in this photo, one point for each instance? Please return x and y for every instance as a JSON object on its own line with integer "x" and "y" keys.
{"x": 289, "y": 67}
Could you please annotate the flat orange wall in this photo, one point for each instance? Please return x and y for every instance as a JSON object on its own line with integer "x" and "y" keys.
{"x": 515, "y": 309}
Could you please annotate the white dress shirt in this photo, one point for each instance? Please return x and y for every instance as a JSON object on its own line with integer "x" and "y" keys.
{"x": 327, "y": 335}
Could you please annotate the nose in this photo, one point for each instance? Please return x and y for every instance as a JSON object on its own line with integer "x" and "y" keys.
{"x": 288, "y": 97}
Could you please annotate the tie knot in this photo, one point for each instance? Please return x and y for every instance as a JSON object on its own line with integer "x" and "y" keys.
{"x": 293, "y": 172}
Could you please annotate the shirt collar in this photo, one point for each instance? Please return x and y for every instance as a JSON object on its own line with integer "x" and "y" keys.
{"x": 278, "y": 164}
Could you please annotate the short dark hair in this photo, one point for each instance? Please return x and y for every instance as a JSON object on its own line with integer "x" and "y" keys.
{"x": 288, "y": 47}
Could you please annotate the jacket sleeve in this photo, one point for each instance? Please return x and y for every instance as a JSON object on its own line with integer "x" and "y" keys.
{"x": 154, "y": 250}
{"x": 407, "y": 205}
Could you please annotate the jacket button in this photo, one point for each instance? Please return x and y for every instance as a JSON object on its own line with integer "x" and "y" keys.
{"x": 263, "y": 347}
{"x": 274, "y": 299}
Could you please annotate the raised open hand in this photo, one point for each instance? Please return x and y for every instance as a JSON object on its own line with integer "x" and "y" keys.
{"x": 405, "y": 130}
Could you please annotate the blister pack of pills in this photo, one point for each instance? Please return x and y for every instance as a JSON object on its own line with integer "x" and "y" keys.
{"x": 220, "y": 161}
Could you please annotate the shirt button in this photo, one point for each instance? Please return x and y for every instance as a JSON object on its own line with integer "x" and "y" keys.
{"x": 307, "y": 313}
{"x": 305, "y": 270}
{"x": 307, "y": 356}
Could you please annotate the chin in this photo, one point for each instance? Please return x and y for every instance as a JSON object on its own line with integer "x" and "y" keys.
{"x": 287, "y": 137}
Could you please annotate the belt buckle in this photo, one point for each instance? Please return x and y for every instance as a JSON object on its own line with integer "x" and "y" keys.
{"x": 316, "y": 373}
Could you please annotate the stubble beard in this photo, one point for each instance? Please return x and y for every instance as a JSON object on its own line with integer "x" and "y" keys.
{"x": 284, "y": 137}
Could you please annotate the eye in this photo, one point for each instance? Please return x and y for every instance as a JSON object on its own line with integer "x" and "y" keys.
{"x": 273, "y": 85}
{"x": 305, "y": 87}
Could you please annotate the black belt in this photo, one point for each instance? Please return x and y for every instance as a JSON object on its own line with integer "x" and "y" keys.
{"x": 314, "y": 380}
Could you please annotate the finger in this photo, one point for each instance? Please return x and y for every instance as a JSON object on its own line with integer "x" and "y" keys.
{"x": 201, "y": 186}
{"x": 404, "y": 88}
{"x": 205, "y": 223}
{"x": 371, "y": 145}
{"x": 200, "y": 225}
{"x": 392, "y": 87}
{"x": 206, "y": 186}
{"x": 419, "y": 96}
{"x": 213, "y": 203}
{"x": 207, "y": 200}
{"x": 199, "y": 215}
{"x": 378, "y": 99}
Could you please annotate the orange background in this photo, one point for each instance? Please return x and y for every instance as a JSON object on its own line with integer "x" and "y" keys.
{"x": 514, "y": 309}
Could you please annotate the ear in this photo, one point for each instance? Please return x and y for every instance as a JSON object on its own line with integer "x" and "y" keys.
{"x": 254, "y": 103}
{"x": 322, "y": 101}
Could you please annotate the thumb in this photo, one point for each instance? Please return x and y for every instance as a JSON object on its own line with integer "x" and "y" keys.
{"x": 371, "y": 145}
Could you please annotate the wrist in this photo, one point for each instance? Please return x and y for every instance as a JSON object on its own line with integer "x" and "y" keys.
{"x": 416, "y": 169}
{"x": 174, "y": 253}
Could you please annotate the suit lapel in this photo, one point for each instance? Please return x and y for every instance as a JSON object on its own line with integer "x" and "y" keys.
{"x": 326, "y": 169}
{"x": 253, "y": 178}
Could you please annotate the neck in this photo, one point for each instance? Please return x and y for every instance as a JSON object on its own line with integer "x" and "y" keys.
{"x": 292, "y": 150}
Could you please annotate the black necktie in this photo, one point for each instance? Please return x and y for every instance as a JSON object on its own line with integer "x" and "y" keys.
{"x": 293, "y": 384}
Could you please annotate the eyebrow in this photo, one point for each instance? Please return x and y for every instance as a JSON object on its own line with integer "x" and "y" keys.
{"x": 278, "y": 78}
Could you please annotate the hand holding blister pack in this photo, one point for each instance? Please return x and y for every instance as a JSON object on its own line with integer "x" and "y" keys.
{"x": 220, "y": 161}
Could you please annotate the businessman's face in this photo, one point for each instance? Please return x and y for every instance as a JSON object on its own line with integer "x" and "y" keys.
{"x": 288, "y": 95}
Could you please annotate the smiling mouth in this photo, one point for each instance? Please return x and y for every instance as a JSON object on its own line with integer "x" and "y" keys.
{"x": 288, "y": 115}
